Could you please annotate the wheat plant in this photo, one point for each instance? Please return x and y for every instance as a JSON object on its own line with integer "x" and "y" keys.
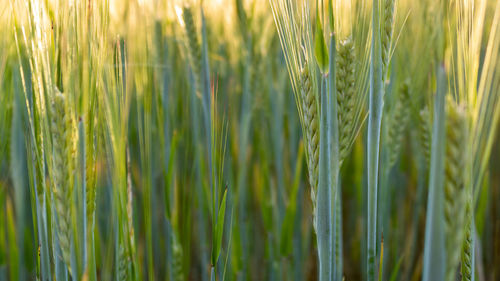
{"x": 249, "y": 140}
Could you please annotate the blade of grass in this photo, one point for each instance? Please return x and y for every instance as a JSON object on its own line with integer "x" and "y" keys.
{"x": 323, "y": 197}
{"x": 335, "y": 157}
{"x": 376, "y": 104}
{"x": 434, "y": 259}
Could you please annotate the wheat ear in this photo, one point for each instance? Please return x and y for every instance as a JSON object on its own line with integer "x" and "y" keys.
{"x": 387, "y": 32}
{"x": 193, "y": 45}
{"x": 311, "y": 125}
{"x": 177, "y": 259}
{"x": 398, "y": 123}
{"x": 123, "y": 263}
{"x": 467, "y": 248}
{"x": 454, "y": 190}
{"x": 346, "y": 96}
{"x": 62, "y": 129}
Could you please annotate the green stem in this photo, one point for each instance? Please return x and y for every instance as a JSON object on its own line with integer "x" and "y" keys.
{"x": 337, "y": 228}
{"x": 376, "y": 105}
{"x": 324, "y": 209}
{"x": 335, "y": 157}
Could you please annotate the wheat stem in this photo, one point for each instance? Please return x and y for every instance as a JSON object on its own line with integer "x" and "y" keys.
{"x": 90, "y": 170}
{"x": 375, "y": 105}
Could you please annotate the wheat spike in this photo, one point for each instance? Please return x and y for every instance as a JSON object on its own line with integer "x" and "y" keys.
{"x": 454, "y": 190}
{"x": 193, "y": 45}
{"x": 123, "y": 263}
{"x": 346, "y": 96}
{"x": 467, "y": 248}
{"x": 387, "y": 32}
{"x": 311, "y": 125}
{"x": 62, "y": 129}
{"x": 177, "y": 259}
{"x": 398, "y": 123}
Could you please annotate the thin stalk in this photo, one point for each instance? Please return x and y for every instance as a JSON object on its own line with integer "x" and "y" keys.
{"x": 335, "y": 157}
{"x": 17, "y": 169}
{"x": 323, "y": 197}
{"x": 376, "y": 105}
{"x": 337, "y": 236}
{"x": 42, "y": 237}
{"x": 81, "y": 223}
{"x": 208, "y": 104}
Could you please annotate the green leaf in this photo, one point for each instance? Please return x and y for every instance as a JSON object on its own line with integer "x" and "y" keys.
{"x": 288, "y": 222}
{"x": 331, "y": 17}
{"x": 434, "y": 258}
{"x": 323, "y": 197}
{"x": 334, "y": 158}
{"x": 81, "y": 215}
{"x": 396, "y": 268}
{"x": 219, "y": 230}
{"x": 169, "y": 175}
{"x": 320, "y": 49}
{"x": 375, "y": 107}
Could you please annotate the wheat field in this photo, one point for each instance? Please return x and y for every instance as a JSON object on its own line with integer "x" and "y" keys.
{"x": 243, "y": 140}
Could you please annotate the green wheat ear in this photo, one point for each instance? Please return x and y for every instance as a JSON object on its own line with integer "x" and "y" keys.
{"x": 387, "y": 32}
{"x": 398, "y": 123}
{"x": 454, "y": 189}
{"x": 424, "y": 133}
{"x": 123, "y": 263}
{"x": 311, "y": 124}
{"x": 346, "y": 95}
{"x": 177, "y": 259}
{"x": 467, "y": 248}
{"x": 193, "y": 45}
{"x": 62, "y": 129}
